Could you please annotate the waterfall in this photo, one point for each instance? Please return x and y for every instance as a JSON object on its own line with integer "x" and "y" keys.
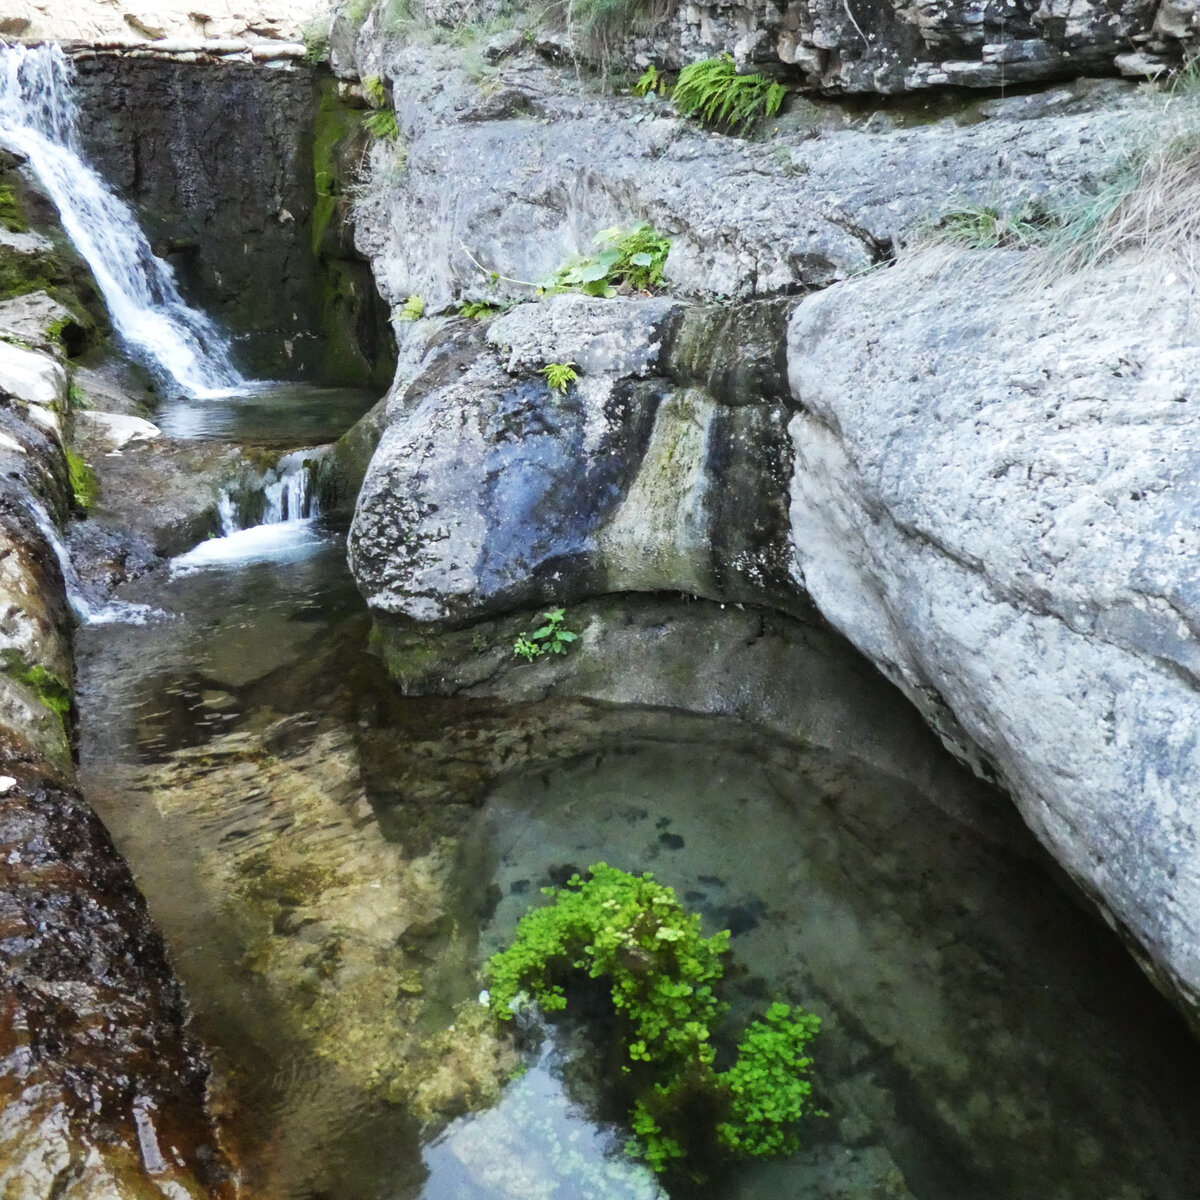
{"x": 271, "y": 520}
{"x": 37, "y": 119}
{"x": 285, "y": 495}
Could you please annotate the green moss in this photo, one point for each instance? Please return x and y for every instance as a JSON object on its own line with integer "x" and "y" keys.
{"x": 12, "y": 216}
{"x": 51, "y": 691}
{"x": 83, "y": 480}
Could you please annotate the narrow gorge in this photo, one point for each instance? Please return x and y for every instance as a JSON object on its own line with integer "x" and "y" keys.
{"x": 440, "y": 456}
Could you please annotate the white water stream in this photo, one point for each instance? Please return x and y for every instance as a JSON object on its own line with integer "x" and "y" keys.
{"x": 283, "y": 531}
{"x": 38, "y": 120}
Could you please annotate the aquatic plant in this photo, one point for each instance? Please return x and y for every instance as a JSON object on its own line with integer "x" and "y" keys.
{"x": 713, "y": 90}
{"x": 559, "y": 376}
{"x": 632, "y": 933}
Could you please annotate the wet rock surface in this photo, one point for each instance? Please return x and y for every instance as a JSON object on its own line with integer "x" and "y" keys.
{"x": 103, "y": 1093}
{"x": 102, "y": 1089}
{"x": 217, "y": 158}
{"x": 489, "y": 489}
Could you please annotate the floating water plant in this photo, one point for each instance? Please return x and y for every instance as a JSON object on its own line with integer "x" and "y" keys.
{"x": 630, "y": 932}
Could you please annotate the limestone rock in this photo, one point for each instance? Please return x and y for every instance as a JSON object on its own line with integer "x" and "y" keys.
{"x": 30, "y": 376}
{"x": 104, "y": 20}
{"x": 489, "y": 492}
{"x": 874, "y": 46}
{"x": 995, "y": 499}
{"x": 822, "y": 198}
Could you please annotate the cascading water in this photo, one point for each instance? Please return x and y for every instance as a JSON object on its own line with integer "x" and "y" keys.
{"x": 273, "y": 521}
{"x": 37, "y": 119}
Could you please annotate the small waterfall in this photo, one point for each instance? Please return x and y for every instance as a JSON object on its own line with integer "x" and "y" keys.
{"x": 37, "y": 119}
{"x": 272, "y": 519}
{"x": 87, "y": 608}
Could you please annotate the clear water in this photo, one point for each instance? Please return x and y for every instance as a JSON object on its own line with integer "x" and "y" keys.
{"x": 38, "y": 118}
{"x": 284, "y": 809}
{"x": 268, "y": 415}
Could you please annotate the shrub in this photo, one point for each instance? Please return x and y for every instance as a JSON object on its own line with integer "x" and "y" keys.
{"x": 713, "y": 91}
{"x": 631, "y": 932}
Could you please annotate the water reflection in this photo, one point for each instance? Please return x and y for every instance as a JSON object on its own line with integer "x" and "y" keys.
{"x": 269, "y": 415}
{"x": 311, "y": 844}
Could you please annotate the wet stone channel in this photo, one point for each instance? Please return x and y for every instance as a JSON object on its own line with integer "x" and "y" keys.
{"x": 331, "y": 861}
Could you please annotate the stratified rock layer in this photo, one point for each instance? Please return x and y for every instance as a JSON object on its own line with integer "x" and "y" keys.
{"x": 995, "y": 499}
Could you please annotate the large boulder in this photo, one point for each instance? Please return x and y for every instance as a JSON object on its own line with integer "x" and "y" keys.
{"x": 823, "y": 196}
{"x": 490, "y": 490}
{"x": 995, "y": 498}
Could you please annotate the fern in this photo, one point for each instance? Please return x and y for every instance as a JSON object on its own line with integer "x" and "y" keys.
{"x": 382, "y": 124}
{"x": 559, "y": 376}
{"x": 649, "y": 81}
{"x": 375, "y": 92}
{"x": 713, "y": 91}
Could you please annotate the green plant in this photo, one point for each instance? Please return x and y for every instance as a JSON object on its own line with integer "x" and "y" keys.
{"x": 633, "y": 257}
{"x": 649, "y": 81}
{"x": 983, "y": 228}
{"x": 315, "y": 36}
{"x": 480, "y": 310}
{"x": 11, "y": 216}
{"x": 82, "y": 479}
{"x": 632, "y": 933}
{"x": 381, "y": 123}
{"x": 713, "y": 90}
{"x": 768, "y": 1085}
{"x": 551, "y": 638}
{"x": 375, "y": 91}
{"x": 413, "y": 309}
{"x": 559, "y": 376}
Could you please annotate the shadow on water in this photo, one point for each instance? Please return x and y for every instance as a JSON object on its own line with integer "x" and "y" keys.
{"x": 330, "y": 863}
{"x": 267, "y": 415}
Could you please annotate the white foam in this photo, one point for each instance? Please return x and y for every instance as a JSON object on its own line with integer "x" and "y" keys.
{"x": 288, "y": 541}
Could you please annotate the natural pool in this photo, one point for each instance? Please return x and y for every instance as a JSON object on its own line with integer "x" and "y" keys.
{"x": 331, "y": 861}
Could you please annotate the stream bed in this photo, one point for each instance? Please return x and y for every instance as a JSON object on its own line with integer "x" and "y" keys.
{"x": 331, "y": 862}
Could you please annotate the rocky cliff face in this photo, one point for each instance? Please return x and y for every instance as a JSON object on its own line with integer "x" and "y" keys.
{"x": 988, "y": 471}
{"x": 863, "y": 47}
{"x": 219, "y": 158}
